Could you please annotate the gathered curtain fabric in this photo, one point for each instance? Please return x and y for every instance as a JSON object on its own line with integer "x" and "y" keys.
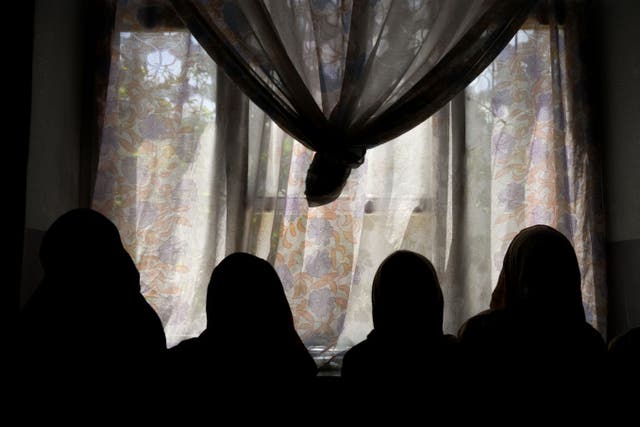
{"x": 345, "y": 76}
{"x": 191, "y": 170}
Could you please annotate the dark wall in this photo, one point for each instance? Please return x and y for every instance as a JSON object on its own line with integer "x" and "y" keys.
{"x": 56, "y": 125}
{"x": 16, "y": 118}
{"x": 619, "y": 56}
{"x": 56, "y": 111}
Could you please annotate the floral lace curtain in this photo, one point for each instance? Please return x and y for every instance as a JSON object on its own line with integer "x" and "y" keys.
{"x": 190, "y": 170}
{"x": 346, "y": 75}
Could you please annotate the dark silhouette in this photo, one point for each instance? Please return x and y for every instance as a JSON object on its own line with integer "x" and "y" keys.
{"x": 625, "y": 348}
{"x": 624, "y": 361}
{"x": 535, "y": 336}
{"x": 87, "y": 327}
{"x": 250, "y": 340}
{"x": 623, "y": 386}
{"x": 407, "y": 350}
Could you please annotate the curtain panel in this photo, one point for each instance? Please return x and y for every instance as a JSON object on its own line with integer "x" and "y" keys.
{"x": 345, "y": 76}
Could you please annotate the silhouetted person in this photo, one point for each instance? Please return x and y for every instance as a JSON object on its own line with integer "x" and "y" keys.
{"x": 406, "y": 352}
{"x": 87, "y": 327}
{"x": 250, "y": 341}
{"x": 535, "y": 336}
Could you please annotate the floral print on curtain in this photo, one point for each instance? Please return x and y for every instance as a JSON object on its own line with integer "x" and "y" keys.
{"x": 154, "y": 168}
{"x": 316, "y": 253}
{"x": 544, "y": 168}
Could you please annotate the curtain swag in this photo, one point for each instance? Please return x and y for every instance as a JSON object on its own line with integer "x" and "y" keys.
{"x": 345, "y": 76}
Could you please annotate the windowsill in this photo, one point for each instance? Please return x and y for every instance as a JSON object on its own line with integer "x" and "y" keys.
{"x": 329, "y": 361}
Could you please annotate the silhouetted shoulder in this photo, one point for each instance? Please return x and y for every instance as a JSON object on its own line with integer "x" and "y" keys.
{"x": 594, "y": 339}
{"x": 355, "y": 363}
{"x": 626, "y": 344}
{"x": 624, "y": 361}
{"x": 186, "y": 347}
{"x": 481, "y": 327}
{"x": 450, "y": 343}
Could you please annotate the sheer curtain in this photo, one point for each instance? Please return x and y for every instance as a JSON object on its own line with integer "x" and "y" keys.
{"x": 346, "y": 75}
{"x": 190, "y": 171}
{"x": 515, "y": 150}
{"x": 185, "y": 159}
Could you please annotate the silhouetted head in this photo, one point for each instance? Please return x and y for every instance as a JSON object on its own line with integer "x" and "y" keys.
{"x": 540, "y": 275}
{"x": 89, "y": 309}
{"x": 83, "y": 245}
{"x": 406, "y": 296}
{"x": 245, "y": 299}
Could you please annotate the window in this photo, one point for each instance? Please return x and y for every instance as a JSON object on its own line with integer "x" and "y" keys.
{"x": 456, "y": 188}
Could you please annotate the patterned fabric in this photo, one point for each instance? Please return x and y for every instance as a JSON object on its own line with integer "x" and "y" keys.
{"x": 544, "y": 164}
{"x": 316, "y": 253}
{"x": 457, "y": 188}
{"x": 154, "y": 168}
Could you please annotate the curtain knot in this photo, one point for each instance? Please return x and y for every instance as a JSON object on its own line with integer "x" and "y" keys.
{"x": 328, "y": 173}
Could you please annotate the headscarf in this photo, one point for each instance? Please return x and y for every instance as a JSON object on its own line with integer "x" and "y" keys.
{"x": 245, "y": 294}
{"x": 82, "y": 247}
{"x": 89, "y": 303}
{"x": 406, "y": 296}
{"x": 540, "y": 275}
{"x": 248, "y": 313}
